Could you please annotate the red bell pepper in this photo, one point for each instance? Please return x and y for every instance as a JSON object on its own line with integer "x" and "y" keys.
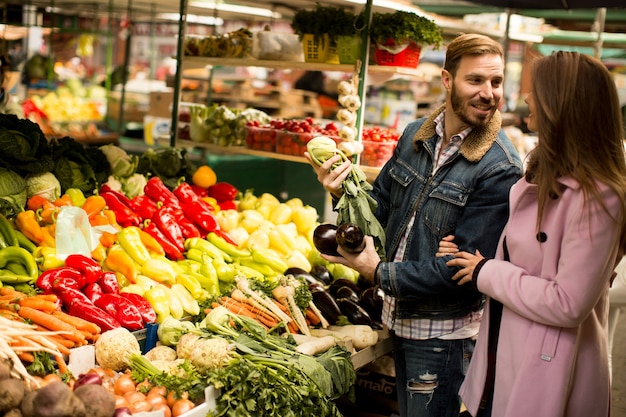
{"x": 186, "y": 226}
{"x": 91, "y": 270}
{"x": 223, "y": 191}
{"x": 200, "y": 191}
{"x": 143, "y": 206}
{"x": 145, "y": 308}
{"x": 171, "y": 251}
{"x": 88, "y": 311}
{"x": 124, "y": 215}
{"x": 93, "y": 291}
{"x": 108, "y": 282}
{"x": 165, "y": 220}
{"x": 196, "y": 209}
{"x": 106, "y": 188}
{"x": 227, "y": 205}
{"x": 121, "y": 309}
{"x": 156, "y": 189}
{"x": 47, "y": 278}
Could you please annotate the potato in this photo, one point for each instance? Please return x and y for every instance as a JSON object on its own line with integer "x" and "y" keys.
{"x": 11, "y": 394}
{"x": 99, "y": 402}
{"x": 5, "y": 368}
{"x": 57, "y": 400}
{"x": 27, "y": 406}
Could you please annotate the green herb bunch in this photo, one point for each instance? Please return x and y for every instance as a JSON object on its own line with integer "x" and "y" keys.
{"x": 333, "y": 21}
{"x": 401, "y": 27}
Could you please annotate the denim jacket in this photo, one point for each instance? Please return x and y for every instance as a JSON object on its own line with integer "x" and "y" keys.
{"x": 466, "y": 197}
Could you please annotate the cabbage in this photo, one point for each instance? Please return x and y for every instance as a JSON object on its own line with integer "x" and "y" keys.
{"x": 122, "y": 164}
{"x": 45, "y": 185}
{"x": 133, "y": 185}
{"x": 13, "y": 192}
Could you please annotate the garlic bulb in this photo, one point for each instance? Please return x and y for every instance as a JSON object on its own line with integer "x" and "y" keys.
{"x": 345, "y": 88}
{"x": 346, "y": 117}
{"x": 347, "y": 133}
{"x": 351, "y": 102}
{"x": 350, "y": 147}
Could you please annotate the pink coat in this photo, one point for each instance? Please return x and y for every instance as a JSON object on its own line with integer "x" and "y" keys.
{"x": 552, "y": 358}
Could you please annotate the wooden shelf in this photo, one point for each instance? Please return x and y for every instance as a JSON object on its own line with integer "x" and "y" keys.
{"x": 371, "y": 172}
{"x": 190, "y": 62}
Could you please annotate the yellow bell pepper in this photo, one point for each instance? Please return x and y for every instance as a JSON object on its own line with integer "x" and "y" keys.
{"x": 175, "y": 304}
{"x": 298, "y": 260}
{"x": 190, "y": 283}
{"x": 281, "y": 214}
{"x": 248, "y": 201}
{"x": 188, "y": 302}
{"x": 160, "y": 270}
{"x": 133, "y": 288}
{"x": 305, "y": 218}
{"x": 130, "y": 239}
{"x": 159, "y": 300}
{"x": 76, "y": 196}
{"x": 118, "y": 260}
{"x": 280, "y": 241}
{"x": 228, "y": 219}
{"x": 294, "y": 203}
{"x": 251, "y": 220}
{"x": 258, "y": 239}
{"x": 46, "y": 258}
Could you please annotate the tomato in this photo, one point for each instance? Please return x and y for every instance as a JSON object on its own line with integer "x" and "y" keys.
{"x": 123, "y": 384}
{"x": 181, "y": 407}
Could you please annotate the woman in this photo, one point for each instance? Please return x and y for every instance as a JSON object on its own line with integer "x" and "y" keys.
{"x": 542, "y": 345}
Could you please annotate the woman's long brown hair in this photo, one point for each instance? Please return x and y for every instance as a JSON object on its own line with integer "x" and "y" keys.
{"x": 580, "y": 129}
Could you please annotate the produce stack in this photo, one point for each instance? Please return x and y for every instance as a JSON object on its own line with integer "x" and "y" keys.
{"x": 197, "y": 257}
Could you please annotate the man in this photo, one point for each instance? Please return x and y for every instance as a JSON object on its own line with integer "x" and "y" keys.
{"x": 450, "y": 174}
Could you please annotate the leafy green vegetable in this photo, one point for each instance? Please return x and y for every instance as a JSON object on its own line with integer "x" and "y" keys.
{"x": 122, "y": 164}
{"x": 13, "y": 192}
{"x": 77, "y": 166}
{"x": 45, "y": 185}
{"x": 170, "y": 164}
{"x": 24, "y": 147}
{"x": 355, "y": 205}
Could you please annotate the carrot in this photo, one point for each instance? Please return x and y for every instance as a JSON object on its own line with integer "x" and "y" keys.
{"x": 312, "y": 317}
{"x": 49, "y": 297}
{"x": 242, "y": 309}
{"x": 49, "y": 342}
{"x": 61, "y": 364}
{"x": 293, "y": 327}
{"x": 26, "y": 356}
{"x": 9, "y": 305}
{"x": 52, "y": 323}
{"x": 60, "y": 340}
{"x": 38, "y": 303}
{"x": 10, "y": 315}
{"x": 256, "y": 310}
{"x": 80, "y": 324}
{"x": 8, "y": 291}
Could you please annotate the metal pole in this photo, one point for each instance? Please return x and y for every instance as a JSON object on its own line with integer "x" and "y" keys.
{"x": 182, "y": 28}
{"x": 598, "y": 26}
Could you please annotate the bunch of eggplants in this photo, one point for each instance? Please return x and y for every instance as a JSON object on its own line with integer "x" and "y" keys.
{"x": 341, "y": 300}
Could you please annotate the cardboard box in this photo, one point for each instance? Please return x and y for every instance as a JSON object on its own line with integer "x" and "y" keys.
{"x": 375, "y": 387}
{"x": 161, "y": 103}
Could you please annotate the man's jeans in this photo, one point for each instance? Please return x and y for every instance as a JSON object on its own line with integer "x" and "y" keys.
{"x": 429, "y": 374}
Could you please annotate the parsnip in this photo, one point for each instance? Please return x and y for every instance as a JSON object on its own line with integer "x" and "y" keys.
{"x": 362, "y": 336}
{"x": 315, "y": 345}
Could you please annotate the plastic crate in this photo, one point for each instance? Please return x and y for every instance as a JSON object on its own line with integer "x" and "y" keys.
{"x": 408, "y": 57}
{"x": 292, "y": 143}
{"x": 261, "y": 138}
{"x": 375, "y": 154}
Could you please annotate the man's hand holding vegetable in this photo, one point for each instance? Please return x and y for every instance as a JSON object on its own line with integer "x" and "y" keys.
{"x": 331, "y": 177}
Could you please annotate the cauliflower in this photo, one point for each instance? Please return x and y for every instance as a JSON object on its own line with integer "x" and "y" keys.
{"x": 113, "y": 347}
{"x": 211, "y": 353}
{"x": 161, "y": 352}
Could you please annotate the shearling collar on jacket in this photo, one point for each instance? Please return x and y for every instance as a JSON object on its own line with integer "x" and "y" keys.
{"x": 475, "y": 145}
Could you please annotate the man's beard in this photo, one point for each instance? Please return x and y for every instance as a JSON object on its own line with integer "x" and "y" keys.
{"x": 460, "y": 107}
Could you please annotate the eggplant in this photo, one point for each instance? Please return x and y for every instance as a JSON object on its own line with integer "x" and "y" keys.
{"x": 316, "y": 286}
{"x": 372, "y": 301}
{"x": 354, "y": 312}
{"x": 343, "y": 282}
{"x": 350, "y": 237}
{"x": 301, "y": 273}
{"x": 322, "y": 274}
{"x": 327, "y": 305}
{"x": 347, "y": 292}
{"x": 325, "y": 239}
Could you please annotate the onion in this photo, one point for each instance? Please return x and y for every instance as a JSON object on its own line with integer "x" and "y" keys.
{"x": 122, "y": 412}
{"x": 88, "y": 379}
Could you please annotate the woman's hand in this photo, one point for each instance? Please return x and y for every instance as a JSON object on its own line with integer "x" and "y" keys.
{"x": 331, "y": 178}
{"x": 447, "y": 247}
{"x": 364, "y": 262}
{"x": 467, "y": 262}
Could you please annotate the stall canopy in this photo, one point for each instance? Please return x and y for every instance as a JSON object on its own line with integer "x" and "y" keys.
{"x": 552, "y": 4}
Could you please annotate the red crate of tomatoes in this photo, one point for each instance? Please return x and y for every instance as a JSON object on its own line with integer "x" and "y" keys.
{"x": 261, "y": 138}
{"x": 293, "y": 135}
{"x": 378, "y": 145}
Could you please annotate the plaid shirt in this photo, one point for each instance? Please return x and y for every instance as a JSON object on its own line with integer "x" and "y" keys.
{"x": 423, "y": 329}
